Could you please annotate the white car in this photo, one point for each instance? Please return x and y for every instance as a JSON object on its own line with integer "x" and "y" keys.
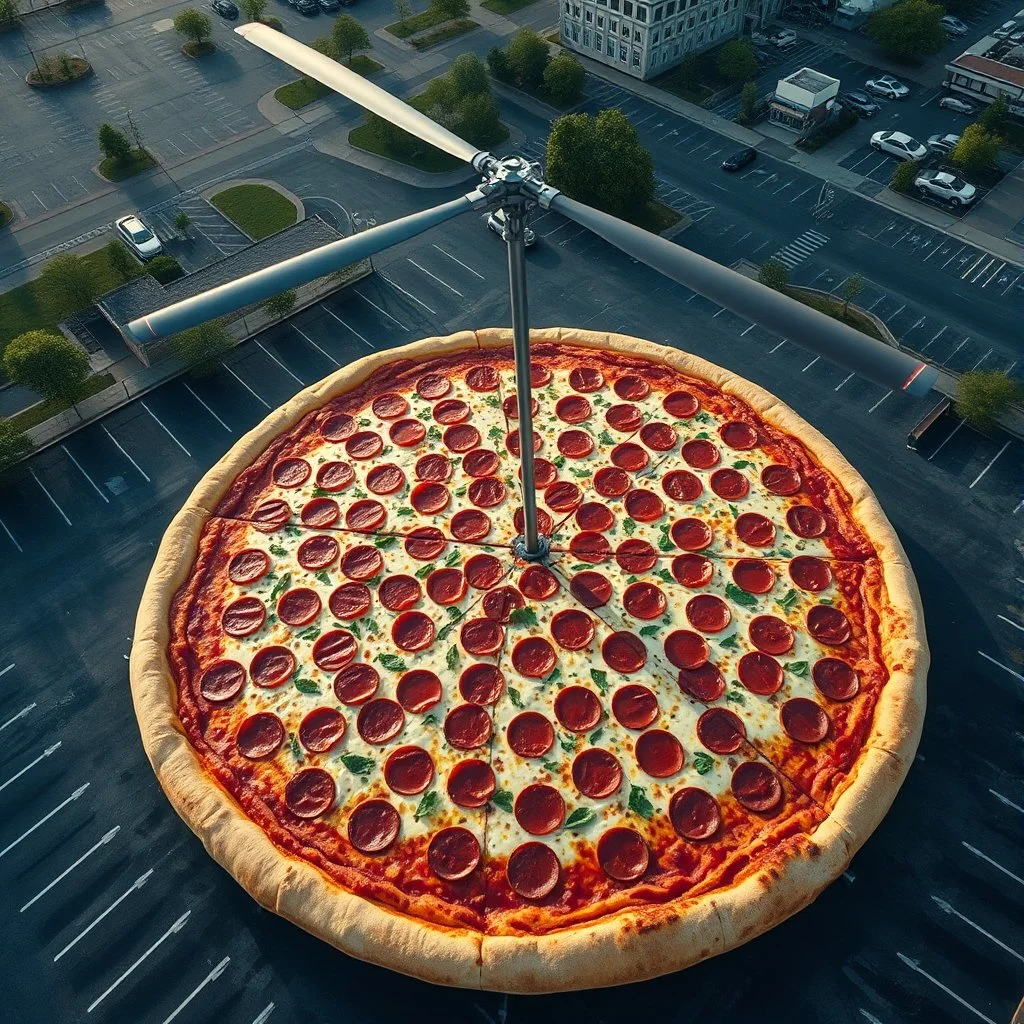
{"x": 942, "y": 144}
{"x": 138, "y": 237}
{"x": 888, "y": 87}
{"x": 1005, "y": 29}
{"x": 496, "y": 222}
{"x": 957, "y": 104}
{"x": 954, "y": 26}
{"x": 947, "y": 187}
{"x": 898, "y": 144}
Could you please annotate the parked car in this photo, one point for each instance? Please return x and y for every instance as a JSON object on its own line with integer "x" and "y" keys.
{"x": 496, "y": 222}
{"x": 329, "y": 5}
{"x": 1005, "y": 29}
{"x": 783, "y": 38}
{"x": 887, "y": 87}
{"x": 945, "y": 186}
{"x": 957, "y": 104}
{"x": 860, "y": 103}
{"x": 739, "y": 160}
{"x": 953, "y": 26}
{"x": 898, "y": 144}
{"x": 225, "y": 8}
{"x": 942, "y": 144}
{"x": 307, "y": 7}
{"x": 138, "y": 237}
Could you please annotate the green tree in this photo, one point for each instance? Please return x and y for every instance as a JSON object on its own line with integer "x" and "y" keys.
{"x": 477, "y": 119}
{"x": 909, "y": 29}
{"x": 497, "y": 62}
{"x": 564, "y": 78}
{"x": 182, "y": 221}
{"x": 773, "y": 273}
{"x": 982, "y": 395}
{"x": 200, "y": 348}
{"x": 404, "y": 11}
{"x": 349, "y": 37}
{"x": 451, "y": 9}
{"x": 164, "y": 268}
{"x": 67, "y": 285}
{"x": 194, "y": 24}
{"x": 903, "y": 176}
{"x": 688, "y": 74}
{"x": 571, "y": 157}
{"x": 977, "y": 151}
{"x": 528, "y": 56}
{"x": 121, "y": 261}
{"x": 281, "y": 304}
{"x": 14, "y": 445}
{"x": 254, "y": 9}
{"x": 114, "y": 144}
{"x": 748, "y": 103}
{"x": 47, "y": 363}
{"x": 325, "y": 45}
{"x": 994, "y": 116}
{"x": 9, "y": 12}
{"x": 468, "y": 75}
{"x": 852, "y": 287}
{"x": 737, "y": 60}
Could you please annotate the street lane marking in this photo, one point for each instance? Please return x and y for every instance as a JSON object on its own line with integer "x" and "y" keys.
{"x": 1016, "y": 625}
{"x": 279, "y": 363}
{"x": 914, "y": 966}
{"x": 463, "y": 265}
{"x": 246, "y": 386}
{"x": 990, "y": 465}
{"x": 207, "y": 408}
{"x": 326, "y": 355}
{"x": 53, "y": 501}
{"x": 86, "y": 475}
{"x": 126, "y": 455}
{"x": 176, "y": 927}
{"x": 264, "y": 1015}
{"x": 44, "y": 819}
{"x": 1005, "y": 800}
{"x": 67, "y": 871}
{"x": 45, "y": 754}
{"x": 347, "y": 327}
{"x": 11, "y": 536}
{"x": 137, "y": 884}
{"x": 420, "y": 302}
{"x": 212, "y": 976}
{"x": 880, "y": 401}
{"x": 21, "y": 714}
{"x": 165, "y": 429}
{"x": 948, "y": 908}
{"x": 1016, "y": 675}
{"x": 4, "y": 671}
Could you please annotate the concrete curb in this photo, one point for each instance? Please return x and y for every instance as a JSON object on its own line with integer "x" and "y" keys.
{"x": 890, "y": 338}
{"x": 223, "y": 186}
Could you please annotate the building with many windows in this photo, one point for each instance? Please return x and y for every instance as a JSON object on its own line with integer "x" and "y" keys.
{"x": 646, "y": 39}
{"x": 992, "y": 67}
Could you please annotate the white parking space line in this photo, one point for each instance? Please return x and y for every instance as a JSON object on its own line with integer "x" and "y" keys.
{"x": 67, "y": 871}
{"x": 326, "y": 355}
{"x": 845, "y": 380}
{"x": 348, "y": 327}
{"x": 212, "y": 976}
{"x": 460, "y": 263}
{"x": 4, "y": 671}
{"x": 990, "y": 465}
{"x": 1008, "y": 671}
{"x": 86, "y": 475}
{"x": 21, "y": 714}
{"x": 53, "y": 501}
{"x": 10, "y": 536}
{"x": 165, "y": 429}
{"x": 772, "y": 351}
{"x": 434, "y": 277}
{"x": 383, "y": 312}
{"x": 208, "y": 409}
{"x": 880, "y": 401}
{"x": 44, "y": 819}
{"x": 263, "y": 348}
{"x": 1005, "y": 800}
{"x": 1016, "y": 625}
{"x": 264, "y": 1015}
{"x": 748, "y": 330}
{"x": 410, "y": 295}
{"x": 42, "y": 757}
{"x": 176, "y": 927}
{"x": 810, "y": 364}
{"x": 869, "y": 1017}
{"x": 137, "y": 884}
{"x": 265, "y": 404}
{"x": 126, "y": 455}
{"x": 946, "y": 440}
{"x": 948, "y": 908}
{"x": 953, "y": 257}
{"x": 935, "y": 339}
{"x": 802, "y": 194}
{"x": 914, "y": 966}
{"x": 1012, "y": 283}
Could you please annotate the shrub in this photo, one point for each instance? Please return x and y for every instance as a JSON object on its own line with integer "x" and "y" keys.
{"x": 164, "y": 269}
{"x": 903, "y": 176}
{"x": 564, "y": 79}
{"x": 528, "y": 56}
{"x": 773, "y": 273}
{"x": 14, "y": 445}
{"x": 67, "y": 285}
{"x": 281, "y": 304}
{"x": 737, "y": 60}
{"x": 114, "y": 143}
{"x": 121, "y": 261}
{"x": 985, "y": 394}
{"x": 47, "y": 363}
{"x": 200, "y": 348}
{"x": 497, "y": 62}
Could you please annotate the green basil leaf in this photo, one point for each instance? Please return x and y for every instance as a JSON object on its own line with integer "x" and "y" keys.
{"x": 786, "y": 553}
{"x": 434, "y": 434}
{"x": 703, "y": 763}
{"x": 525, "y": 616}
{"x": 741, "y": 464}
{"x": 293, "y": 531}
{"x": 452, "y": 657}
{"x": 385, "y": 542}
{"x": 452, "y": 559}
{"x": 638, "y": 802}
{"x": 579, "y": 473}
{"x": 364, "y": 422}
{"x": 824, "y": 600}
{"x": 702, "y": 436}
{"x": 404, "y": 511}
{"x": 555, "y": 675}
{"x": 424, "y": 571}
{"x": 430, "y": 719}
{"x": 503, "y": 799}
{"x": 324, "y": 577}
{"x": 493, "y": 401}
{"x": 354, "y": 628}
{"x": 358, "y": 765}
{"x": 580, "y": 566}
{"x": 296, "y": 749}
{"x": 427, "y": 805}
{"x": 372, "y": 628}
{"x": 276, "y": 549}
{"x": 281, "y": 586}
{"x": 735, "y": 696}
{"x": 580, "y": 817}
{"x": 788, "y": 601}
{"x": 629, "y": 526}
{"x": 307, "y": 686}
{"x": 729, "y": 642}
{"x": 567, "y": 741}
{"x": 600, "y": 678}
{"x": 445, "y": 631}
{"x": 798, "y": 668}
{"x": 595, "y": 735}
{"x": 514, "y": 696}
{"x": 496, "y": 434}
{"x": 740, "y": 596}
{"x": 559, "y": 461}
{"x": 310, "y": 634}
{"x": 550, "y": 766}
{"x": 734, "y": 510}
{"x": 650, "y": 630}
{"x": 605, "y": 438}
{"x": 392, "y": 662}
{"x": 664, "y": 574}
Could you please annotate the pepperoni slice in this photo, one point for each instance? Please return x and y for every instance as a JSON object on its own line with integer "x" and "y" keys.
{"x": 397, "y": 593}
{"x": 470, "y": 524}
{"x": 510, "y": 407}
{"x": 435, "y": 468}
{"x": 635, "y": 706}
{"x": 512, "y": 442}
{"x": 356, "y": 684}
{"x": 729, "y": 484}
{"x": 350, "y": 601}
{"x": 367, "y": 444}
{"x": 635, "y": 556}
{"x": 755, "y": 529}
{"x": 534, "y": 657}
{"x": 572, "y": 629}
{"x": 385, "y": 479}
{"x": 291, "y": 472}
{"x": 594, "y": 516}
{"x": 686, "y": 650}
{"x": 575, "y": 444}
{"x": 433, "y": 386}
{"x": 260, "y": 736}
{"x": 770, "y": 634}
{"x": 222, "y": 681}
{"x": 499, "y": 604}
{"x": 429, "y": 498}
{"x": 538, "y": 583}
{"x": 334, "y": 650}
{"x": 467, "y": 726}
{"x": 625, "y": 418}
{"x": 407, "y": 433}
{"x": 659, "y": 753}
{"x": 573, "y": 409}
{"x": 806, "y": 521}
{"x": 409, "y": 770}
{"x": 586, "y": 379}
{"x": 596, "y": 773}
{"x": 721, "y": 731}
{"x": 389, "y": 406}
{"x": 334, "y": 476}
{"x": 828, "y": 625}
{"x": 271, "y": 667}
{"x": 471, "y": 783}
{"x": 425, "y": 543}
{"x": 540, "y": 809}
{"x": 760, "y": 673}
{"x": 708, "y": 613}
{"x": 319, "y": 513}
{"x": 451, "y": 410}
{"x": 705, "y": 684}
{"x": 362, "y": 562}
{"x": 365, "y": 515}
{"x": 577, "y": 708}
{"x": 694, "y": 814}
{"x": 804, "y": 720}
{"x": 271, "y": 515}
{"x": 544, "y": 523}
{"x": 588, "y": 546}
{"x": 611, "y": 482}
{"x": 373, "y": 826}
{"x": 298, "y": 607}
{"x": 380, "y": 720}
{"x": 248, "y": 566}
{"x": 693, "y": 570}
{"x": 562, "y": 496}
{"x": 630, "y": 457}
{"x": 243, "y": 617}
{"x": 533, "y": 871}
{"x": 739, "y": 435}
{"x": 632, "y": 388}
{"x": 483, "y": 571}
{"x": 756, "y": 786}
{"x": 691, "y": 534}
{"x": 682, "y": 485}
{"x": 481, "y": 684}
{"x": 644, "y": 600}
{"x": 321, "y": 730}
{"x": 681, "y": 405}
{"x": 591, "y": 589}
{"x": 544, "y": 473}
{"x": 480, "y": 462}
{"x": 644, "y": 506}
{"x": 539, "y": 375}
{"x": 317, "y": 552}
{"x": 339, "y": 427}
{"x": 413, "y": 631}
{"x": 624, "y": 652}
{"x": 530, "y": 734}
{"x": 482, "y": 378}
{"x": 454, "y": 853}
{"x": 446, "y": 586}
{"x": 461, "y": 438}
{"x": 310, "y": 793}
{"x": 701, "y": 454}
{"x": 835, "y": 679}
{"x": 481, "y": 637}
{"x": 810, "y": 573}
{"x": 781, "y": 479}
{"x": 659, "y": 437}
{"x": 418, "y": 691}
{"x": 754, "y": 575}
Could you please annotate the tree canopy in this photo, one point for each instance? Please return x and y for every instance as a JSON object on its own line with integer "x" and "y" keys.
{"x": 909, "y": 29}
{"x": 564, "y": 78}
{"x": 737, "y": 61}
{"x": 194, "y": 24}
{"x": 200, "y": 348}
{"x": 451, "y": 9}
{"x": 68, "y": 285}
{"x": 280, "y": 304}
{"x": 121, "y": 261}
{"x": 47, "y": 363}
{"x": 14, "y": 445}
{"x": 114, "y": 143}
{"x": 983, "y": 395}
{"x": 773, "y": 273}
{"x": 903, "y": 176}
{"x": 528, "y": 56}
{"x": 748, "y": 103}
{"x": 994, "y": 116}
{"x": 977, "y": 151}
{"x": 349, "y": 37}
{"x": 253, "y": 9}
{"x": 9, "y": 11}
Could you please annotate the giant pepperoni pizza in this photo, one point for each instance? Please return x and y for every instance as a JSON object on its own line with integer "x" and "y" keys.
{"x": 664, "y": 739}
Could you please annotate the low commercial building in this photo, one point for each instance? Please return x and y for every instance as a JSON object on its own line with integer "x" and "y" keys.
{"x": 992, "y": 67}
{"x": 803, "y": 100}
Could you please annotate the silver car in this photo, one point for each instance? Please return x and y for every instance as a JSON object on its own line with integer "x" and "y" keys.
{"x": 898, "y": 144}
{"x": 947, "y": 187}
{"x": 953, "y": 26}
{"x": 943, "y": 144}
{"x": 138, "y": 237}
{"x": 888, "y": 87}
{"x": 957, "y": 104}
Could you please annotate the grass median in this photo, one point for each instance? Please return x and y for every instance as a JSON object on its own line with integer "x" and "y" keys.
{"x": 258, "y": 210}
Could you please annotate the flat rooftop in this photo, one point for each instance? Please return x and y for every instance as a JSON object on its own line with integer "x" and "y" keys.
{"x": 810, "y": 80}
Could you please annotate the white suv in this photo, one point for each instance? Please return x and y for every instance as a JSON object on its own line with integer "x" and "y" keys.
{"x": 898, "y": 144}
{"x": 947, "y": 187}
{"x": 138, "y": 237}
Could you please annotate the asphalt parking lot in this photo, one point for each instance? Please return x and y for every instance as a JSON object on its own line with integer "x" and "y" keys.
{"x": 113, "y": 910}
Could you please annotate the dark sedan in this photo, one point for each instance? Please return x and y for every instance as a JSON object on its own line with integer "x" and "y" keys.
{"x": 739, "y": 160}
{"x": 307, "y": 7}
{"x": 225, "y": 8}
